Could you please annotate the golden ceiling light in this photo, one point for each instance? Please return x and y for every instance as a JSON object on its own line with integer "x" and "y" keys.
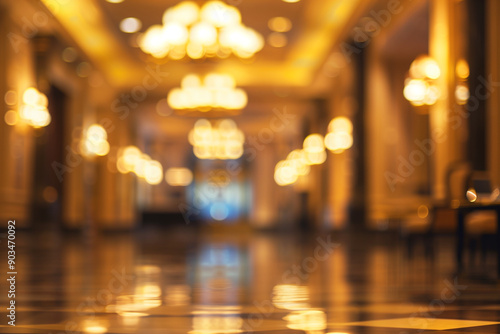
{"x": 212, "y": 30}
{"x": 34, "y": 109}
{"x": 223, "y": 141}
{"x": 213, "y": 92}
{"x": 419, "y": 86}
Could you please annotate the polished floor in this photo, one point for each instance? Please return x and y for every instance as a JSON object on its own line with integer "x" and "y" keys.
{"x": 187, "y": 281}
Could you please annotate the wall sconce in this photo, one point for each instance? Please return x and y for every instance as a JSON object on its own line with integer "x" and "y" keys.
{"x": 214, "y": 30}
{"x": 34, "y": 109}
{"x": 94, "y": 141}
{"x": 339, "y": 136}
{"x": 298, "y": 162}
{"x": 132, "y": 160}
{"x": 419, "y": 86}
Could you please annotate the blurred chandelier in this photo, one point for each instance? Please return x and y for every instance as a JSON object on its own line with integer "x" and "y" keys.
{"x": 223, "y": 141}
{"x": 214, "y": 30}
{"x": 214, "y": 92}
{"x": 419, "y": 86}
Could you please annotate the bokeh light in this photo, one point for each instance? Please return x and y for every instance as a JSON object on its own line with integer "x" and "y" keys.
{"x": 213, "y": 30}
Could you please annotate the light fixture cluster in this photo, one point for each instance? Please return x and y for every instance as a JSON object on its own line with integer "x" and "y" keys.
{"x": 214, "y": 91}
{"x": 339, "y": 136}
{"x": 95, "y": 141}
{"x": 419, "y": 86}
{"x": 213, "y": 30}
{"x": 223, "y": 141}
{"x": 34, "y": 109}
{"x": 298, "y": 162}
{"x": 131, "y": 159}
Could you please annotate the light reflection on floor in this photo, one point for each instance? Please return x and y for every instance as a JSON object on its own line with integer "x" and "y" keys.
{"x": 186, "y": 282}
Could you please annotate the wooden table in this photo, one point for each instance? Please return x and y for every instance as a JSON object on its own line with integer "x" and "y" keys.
{"x": 465, "y": 208}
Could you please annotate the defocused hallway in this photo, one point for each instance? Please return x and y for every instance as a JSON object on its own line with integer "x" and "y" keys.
{"x": 249, "y": 166}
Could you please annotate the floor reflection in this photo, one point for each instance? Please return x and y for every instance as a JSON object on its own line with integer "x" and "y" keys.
{"x": 166, "y": 281}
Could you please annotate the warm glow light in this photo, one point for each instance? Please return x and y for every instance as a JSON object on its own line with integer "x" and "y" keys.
{"x": 212, "y": 30}
{"x": 277, "y": 40}
{"x": 422, "y": 211}
{"x": 424, "y": 67}
{"x": 30, "y": 96}
{"x": 10, "y": 98}
{"x": 11, "y": 117}
{"x": 339, "y": 138}
{"x": 419, "y": 87}
{"x": 340, "y": 124}
{"x": 178, "y": 177}
{"x": 34, "y": 111}
{"x": 287, "y": 171}
{"x": 314, "y": 143}
{"x": 211, "y": 324}
{"x": 306, "y": 320}
{"x": 471, "y": 195}
{"x": 223, "y": 141}
{"x": 114, "y": 1}
{"x": 291, "y": 1}
{"x": 153, "y": 172}
{"x": 130, "y": 25}
{"x": 337, "y": 142}
{"x": 462, "y": 94}
{"x": 415, "y": 90}
{"x": 95, "y": 141}
{"x": 462, "y": 69}
{"x": 215, "y": 91}
{"x": 291, "y": 297}
{"x": 131, "y": 159}
{"x": 279, "y": 24}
